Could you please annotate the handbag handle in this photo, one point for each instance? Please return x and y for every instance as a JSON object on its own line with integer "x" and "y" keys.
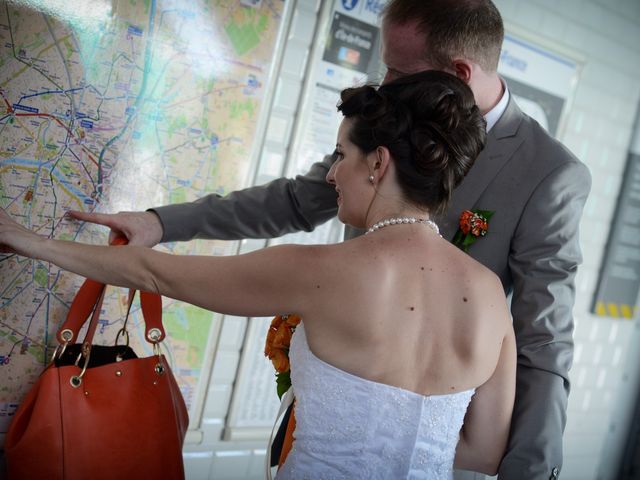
{"x": 89, "y": 298}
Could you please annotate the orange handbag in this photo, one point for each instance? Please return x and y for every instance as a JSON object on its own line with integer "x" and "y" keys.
{"x": 100, "y": 412}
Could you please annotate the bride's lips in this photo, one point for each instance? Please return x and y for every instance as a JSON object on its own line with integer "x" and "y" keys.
{"x": 339, "y": 199}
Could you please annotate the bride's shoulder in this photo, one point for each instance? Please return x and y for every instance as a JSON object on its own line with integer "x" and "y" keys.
{"x": 479, "y": 287}
{"x": 489, "y": 298}
{"x": 326, "y": 257}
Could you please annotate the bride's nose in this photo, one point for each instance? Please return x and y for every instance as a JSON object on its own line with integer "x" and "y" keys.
{"x": 331, "y": 174}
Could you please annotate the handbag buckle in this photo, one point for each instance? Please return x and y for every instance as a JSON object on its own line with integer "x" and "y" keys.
{"x": 66, "y": 335}
{"x": 159, "y": 368}
{"x": 125, "y": 334}
{"x": 154, "y": 334}
{"x": 76, "y": 380}
{"x": 55, "y": 354}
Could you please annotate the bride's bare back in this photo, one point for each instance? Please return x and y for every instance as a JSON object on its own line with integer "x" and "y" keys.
{"x": 404, "y": 307}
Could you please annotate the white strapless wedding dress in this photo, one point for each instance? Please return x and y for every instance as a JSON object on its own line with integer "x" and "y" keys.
{"x": 352, "y": 428}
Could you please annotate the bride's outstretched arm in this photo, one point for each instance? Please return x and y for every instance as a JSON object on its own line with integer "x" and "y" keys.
{"x": 273, "y": 280}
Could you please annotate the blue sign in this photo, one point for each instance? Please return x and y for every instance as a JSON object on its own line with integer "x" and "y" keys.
{"x": 349, "y": 4}
{"x": 374, "y": 6}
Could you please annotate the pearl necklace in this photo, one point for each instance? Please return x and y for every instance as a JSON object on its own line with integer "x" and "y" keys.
{"x": 402, "y": 220}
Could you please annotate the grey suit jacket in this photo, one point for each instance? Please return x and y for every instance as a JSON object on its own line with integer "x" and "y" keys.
{"x": 537, "y": 190}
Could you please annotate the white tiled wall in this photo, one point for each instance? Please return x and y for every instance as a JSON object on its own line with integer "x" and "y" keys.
{"x": 605, "y": 34}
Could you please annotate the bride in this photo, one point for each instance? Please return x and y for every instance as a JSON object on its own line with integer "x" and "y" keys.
{"x": 404, "y": 365}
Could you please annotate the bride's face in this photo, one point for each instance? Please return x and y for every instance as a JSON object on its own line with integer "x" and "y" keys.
{"x": 350, "y": 176}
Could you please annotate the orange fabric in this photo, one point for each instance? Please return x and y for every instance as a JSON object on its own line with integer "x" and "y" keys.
{"x": 288, "y": 438}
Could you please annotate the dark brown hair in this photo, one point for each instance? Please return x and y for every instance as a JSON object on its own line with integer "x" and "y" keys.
{"x": 431, "y": 125}
{"x": 471, "y": 29}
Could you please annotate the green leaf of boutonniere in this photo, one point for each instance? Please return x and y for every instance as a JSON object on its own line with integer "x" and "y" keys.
{"x": 283, "y": 382}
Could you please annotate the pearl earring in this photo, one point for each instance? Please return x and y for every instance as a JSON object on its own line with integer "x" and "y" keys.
{"x": 371, "y": 178}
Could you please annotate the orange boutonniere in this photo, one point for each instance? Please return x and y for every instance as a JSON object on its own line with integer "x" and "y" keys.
{"x": 473, "y": 225}
{"x": 277, "y": 348}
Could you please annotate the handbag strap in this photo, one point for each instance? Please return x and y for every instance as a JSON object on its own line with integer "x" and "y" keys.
{"x": 81, "y": 307}
{"x": 151, "y": 304}
{"x": 93, "y": 324}
{"x": 89, "y": 298}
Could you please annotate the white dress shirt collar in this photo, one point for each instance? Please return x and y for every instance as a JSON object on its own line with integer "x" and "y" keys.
{"x": 496, "y": 112}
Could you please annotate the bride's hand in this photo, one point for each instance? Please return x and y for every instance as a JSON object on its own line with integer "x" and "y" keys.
{"x": 14, "y": 238}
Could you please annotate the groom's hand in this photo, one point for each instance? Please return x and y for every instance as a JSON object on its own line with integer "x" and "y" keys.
{"x": 140, "y": 228}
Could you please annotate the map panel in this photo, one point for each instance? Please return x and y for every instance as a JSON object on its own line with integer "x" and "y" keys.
{"x": 119, "y": 105}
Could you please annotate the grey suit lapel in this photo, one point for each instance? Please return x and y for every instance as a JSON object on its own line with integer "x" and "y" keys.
{"x": 502, "y": 142}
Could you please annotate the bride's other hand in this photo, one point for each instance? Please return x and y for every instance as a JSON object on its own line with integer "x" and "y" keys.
{"x": 14, "y": 238}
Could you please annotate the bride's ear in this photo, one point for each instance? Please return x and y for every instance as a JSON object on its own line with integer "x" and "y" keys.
{"x": 379, "y": 161}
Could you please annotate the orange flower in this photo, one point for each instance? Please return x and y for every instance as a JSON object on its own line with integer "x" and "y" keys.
{"x": 282, "y": 337}
{"x": 273, "y": 328}
{"x": 280, "y": 361}
{"x": 479, "y": 226}
{"x": 465, "y": 221}
{"x": 278, "y": 340}
{"x": 474, "y": 223}
{"x": 293, "y": 320}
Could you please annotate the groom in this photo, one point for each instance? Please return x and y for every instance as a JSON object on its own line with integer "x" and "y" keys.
{"x": 534, "y": 186}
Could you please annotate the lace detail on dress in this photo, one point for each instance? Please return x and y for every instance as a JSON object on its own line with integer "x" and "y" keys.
{"x": 352, "y": 428}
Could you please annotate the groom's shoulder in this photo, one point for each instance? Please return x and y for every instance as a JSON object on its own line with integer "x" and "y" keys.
{"x": 540, "y": 142}
{"x": 539, "y": 153}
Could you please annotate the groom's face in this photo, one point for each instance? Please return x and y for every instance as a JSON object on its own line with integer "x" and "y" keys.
{"x": 403, "y": 50}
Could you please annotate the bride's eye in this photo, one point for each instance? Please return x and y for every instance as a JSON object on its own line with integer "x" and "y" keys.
{"x": 338, "y": 155}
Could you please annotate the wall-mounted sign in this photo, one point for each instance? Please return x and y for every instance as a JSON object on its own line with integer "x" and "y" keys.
{"x": 619, "y": 283}
{"x": 541, "y": 81}
{"x": 350, "y": 43}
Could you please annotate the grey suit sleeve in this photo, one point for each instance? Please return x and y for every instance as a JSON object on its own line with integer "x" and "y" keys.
{"x": 271, "y": 210}
{"x": 544, "y": 257}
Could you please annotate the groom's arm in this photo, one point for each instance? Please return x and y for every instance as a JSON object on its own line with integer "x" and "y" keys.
{"x": 545, "y": 254}
{"x": 271, "y": 210}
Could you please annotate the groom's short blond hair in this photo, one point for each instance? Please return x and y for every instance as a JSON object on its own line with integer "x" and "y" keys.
{"x": 469, "y": 29}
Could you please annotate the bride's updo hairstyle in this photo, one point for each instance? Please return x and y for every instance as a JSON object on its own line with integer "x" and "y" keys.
{"x": 431, "y": 125}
